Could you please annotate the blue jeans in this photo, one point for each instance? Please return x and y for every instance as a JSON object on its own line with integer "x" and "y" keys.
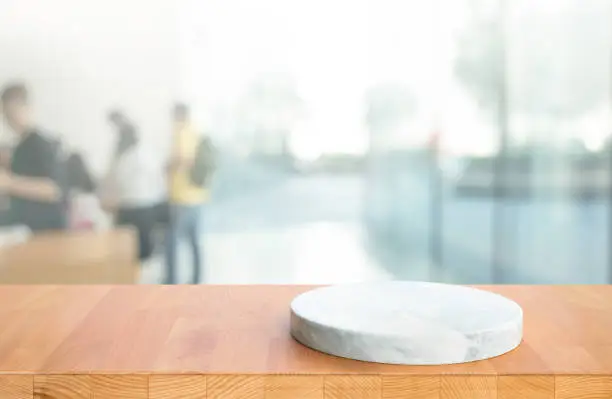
{"x": 185, "y": 223}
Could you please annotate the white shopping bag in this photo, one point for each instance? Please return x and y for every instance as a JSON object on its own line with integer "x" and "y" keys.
{"x": 86, "y": 213}
{"x": 12, "y": 235}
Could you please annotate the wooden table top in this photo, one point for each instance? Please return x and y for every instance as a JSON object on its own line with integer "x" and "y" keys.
{"x": 245, "y": 330}
{"x": 74, "y": 247}
{"x": 84, "y": 257}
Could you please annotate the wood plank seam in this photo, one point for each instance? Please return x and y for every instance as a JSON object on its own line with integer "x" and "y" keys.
{"x": 536, "y": 386}
{"x": 568, "y": 386}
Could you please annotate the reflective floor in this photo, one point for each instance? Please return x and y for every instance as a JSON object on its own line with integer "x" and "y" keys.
{"x": 315, "y": 253}
{"x": 310, "y": 230}
{"x": 296, "y": 231}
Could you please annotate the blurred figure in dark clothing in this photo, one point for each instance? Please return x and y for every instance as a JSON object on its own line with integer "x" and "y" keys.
{"x": 77, "y": 174}
{"x": 5, "y": 202}
{"x": 127, "y": 137}
{"x": 5, "y": 157}
{"x": 134, "y": 188}
{"x": 82, "y": 203}
{"x": 34, "y": 180}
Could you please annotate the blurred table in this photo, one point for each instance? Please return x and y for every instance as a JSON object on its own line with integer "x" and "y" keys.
{"x": 232, "y": 342}
{"x": 82, "y": 257}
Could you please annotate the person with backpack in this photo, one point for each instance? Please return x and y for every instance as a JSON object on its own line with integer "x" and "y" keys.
{"x": 189, "y": 172}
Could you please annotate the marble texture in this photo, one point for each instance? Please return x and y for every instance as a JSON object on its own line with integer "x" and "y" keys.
{"x": 412, "y": 323}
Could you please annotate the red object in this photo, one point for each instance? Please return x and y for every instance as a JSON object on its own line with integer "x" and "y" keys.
{"x": 79, "y": 218}
{"x": 83, "y": 225}
{"x": 434, "y": 142}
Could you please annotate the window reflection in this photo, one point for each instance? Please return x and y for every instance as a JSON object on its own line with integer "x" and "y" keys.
{"x": 452, "y": 140}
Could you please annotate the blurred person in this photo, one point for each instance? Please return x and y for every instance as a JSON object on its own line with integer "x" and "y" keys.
{"x": 188, "y": 174}
{"x": 6, "y": 153}
{"x": 78, "y": 175}
{"x": 85, "y": 212}
{"x": 134, "y": 186}
{"x": 33, "y": 181}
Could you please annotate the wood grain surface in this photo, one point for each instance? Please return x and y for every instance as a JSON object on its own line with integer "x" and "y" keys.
{"x": 233, "y": 342}
{"x": 72, "y": 258}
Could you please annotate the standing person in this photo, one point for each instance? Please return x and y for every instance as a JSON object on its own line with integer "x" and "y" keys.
{"x": 84, "y": 203}
{"x": 134, "y": 186}
{"x": 34, "y": 180}
{"x": 187, "y": 195}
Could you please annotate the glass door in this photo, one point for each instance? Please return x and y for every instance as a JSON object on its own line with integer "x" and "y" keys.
{"x": 558, "y": 78}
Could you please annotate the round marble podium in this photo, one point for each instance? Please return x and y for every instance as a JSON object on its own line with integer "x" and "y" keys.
{"x": 412, "y": 323}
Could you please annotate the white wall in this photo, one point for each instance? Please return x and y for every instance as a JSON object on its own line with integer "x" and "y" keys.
{"x": 82, "y": 57}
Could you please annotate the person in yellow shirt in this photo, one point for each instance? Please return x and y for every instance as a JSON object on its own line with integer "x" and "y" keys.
{"x": 186, "y": 197}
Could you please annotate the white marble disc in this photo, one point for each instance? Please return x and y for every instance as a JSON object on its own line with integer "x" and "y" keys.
{"x": 412, "y": 323}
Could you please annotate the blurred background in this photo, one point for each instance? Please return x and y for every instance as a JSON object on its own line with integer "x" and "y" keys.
{"x": 464, "y": 141}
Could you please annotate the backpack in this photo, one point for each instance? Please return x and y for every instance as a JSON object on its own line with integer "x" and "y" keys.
{"x": 204, "y": 163}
